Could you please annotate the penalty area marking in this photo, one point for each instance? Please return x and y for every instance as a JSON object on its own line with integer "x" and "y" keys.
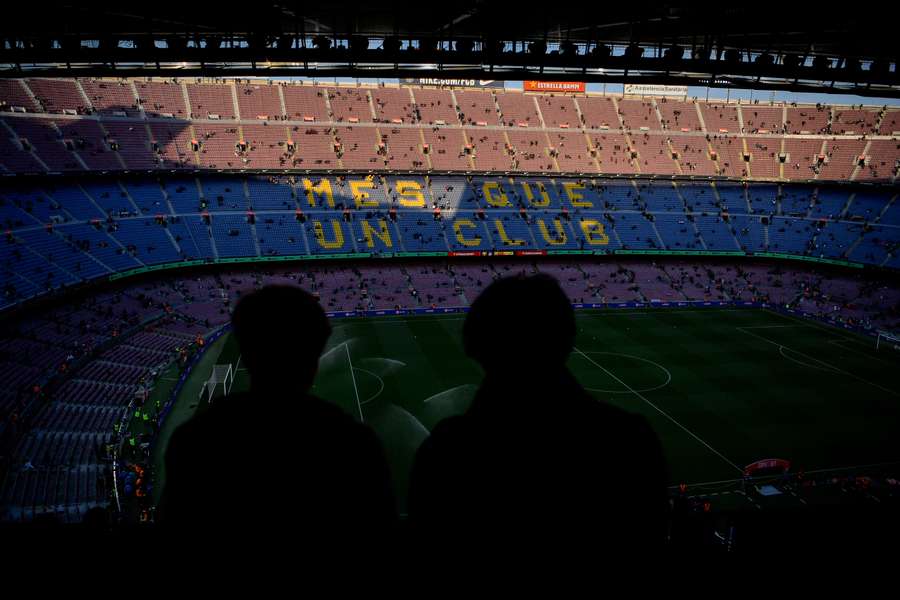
{"x": 840, "y": 344}
{"x": 781, "y": 350}
{"x": 380, "y": 380}
{"x": 660, "y": 411}
{"x": 821, "y": 362}
{"x": 646, "y": 360}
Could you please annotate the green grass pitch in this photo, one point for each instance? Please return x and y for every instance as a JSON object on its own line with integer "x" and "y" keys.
{"x": 721, "y": 387}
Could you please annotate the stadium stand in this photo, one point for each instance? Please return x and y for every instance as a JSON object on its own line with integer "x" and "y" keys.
{"x": 882, "y": 161}
{"x": 476, "y": 108}
{"x": 890, "y": 123}
{"x": 490, "y": 149}
{"x": 763, "y": 119}
{"x": 62, "y": 233}
{"x": 394, "y": 105}
{"x": 558, "y": 111}
{"x": 435, "y": 106}
{"x": 721, "y": 118}
{"x": 531, "y": 151}
{"x": 518, "y": 110}
{"x": 638, "y": 115}
{"x": 614, "y": 153}
{"x": 211, "y": 101}
{"x": 447, "y": 149}
{"x": 313, "y": 148}
{"x": 764, "y": 160}
{"x": 854, "y": 122}
{"x": 111, "y": 97}
{"x": 679, "y": 116}
{"x": 654, "y": 154}
{"x": 305, "y": 103}
{"x": 402, "y": 148}
{"x": 217, "y": 145}
{"x": 14, "y": 95}
{"x": 261, "y": 102}
{"x": 163, "y": 99}
{"x": 570, "y": 149}
{"x": 350, "y": 105}
{"x": 806, "y": 120}
{"x": 164, "y": 119}
{"x": 359, "y": 147}
{"x": 58, "y": 95}
{"x": 599, "y": 113}
{"x": 693, "y": 155}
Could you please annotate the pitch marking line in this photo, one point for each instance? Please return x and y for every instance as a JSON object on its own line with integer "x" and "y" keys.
{"x": 659, "y": 410}
{"x": 353, "y": 377}
{"x": 781, "y": 350}
{"x": 380, "y": 380}
{"x": 842, "y": 335}
{"x": 645, "y": 360}
{"x": 840, "y": 344}
{"x": 821, "y": 362}
{"x": 812, "y": 324}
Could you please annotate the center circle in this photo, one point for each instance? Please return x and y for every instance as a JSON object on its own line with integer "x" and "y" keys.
{"x": 656, "y": 365}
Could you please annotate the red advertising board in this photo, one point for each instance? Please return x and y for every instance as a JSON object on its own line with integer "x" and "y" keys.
{"x": 554, "y": 86}
{"x": 768, "y": 464}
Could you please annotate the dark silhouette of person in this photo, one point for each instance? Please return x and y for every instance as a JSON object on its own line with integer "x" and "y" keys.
{"x": 276, "y": 460}
{"x": 535, "y": 455}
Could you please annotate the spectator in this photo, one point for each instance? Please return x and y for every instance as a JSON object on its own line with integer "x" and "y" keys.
{"x": 535, "y": 455}
{"x": 276, "y": 460}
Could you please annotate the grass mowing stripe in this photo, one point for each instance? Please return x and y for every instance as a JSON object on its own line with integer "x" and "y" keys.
{"x": 821, "y": 362}
{"x": 658, "y": 409}
{"x": 813, "y": 324}
{"x": 840, "y": 344}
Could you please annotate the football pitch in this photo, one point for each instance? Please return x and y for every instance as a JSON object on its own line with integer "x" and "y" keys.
{"x": 721, "y": 387}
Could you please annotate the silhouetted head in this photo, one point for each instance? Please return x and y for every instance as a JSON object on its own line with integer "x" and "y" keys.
{"x": 281, "y": 331}
{"x": 519, "y": 324}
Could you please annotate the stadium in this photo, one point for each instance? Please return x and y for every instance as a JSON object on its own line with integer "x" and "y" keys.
{"x": 720, "y": 207}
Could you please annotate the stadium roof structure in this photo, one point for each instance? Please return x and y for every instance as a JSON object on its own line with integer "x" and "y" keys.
{"x": 789, "y": 47}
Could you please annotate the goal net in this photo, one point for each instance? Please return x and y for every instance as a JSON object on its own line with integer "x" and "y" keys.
{"x": 887, "y": 340}
{"x": 219, "y": 383}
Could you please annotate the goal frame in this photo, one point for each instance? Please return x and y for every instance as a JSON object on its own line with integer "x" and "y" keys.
{"x": 220, "y": 379}
{"x": 888, "y": 338}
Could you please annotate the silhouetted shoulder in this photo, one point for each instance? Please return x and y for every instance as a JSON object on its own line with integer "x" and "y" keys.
{"x": 276, "y": 459}
{"x": 252, "y": 449}
{"x": 550, "y": 456}
{"x": 246, "y": 410}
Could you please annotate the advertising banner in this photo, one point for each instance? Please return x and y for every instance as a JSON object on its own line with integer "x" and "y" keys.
{"x": 655, "y": 90}
{"x": 555, "y": 86}
{"x": 470, "y": 83}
